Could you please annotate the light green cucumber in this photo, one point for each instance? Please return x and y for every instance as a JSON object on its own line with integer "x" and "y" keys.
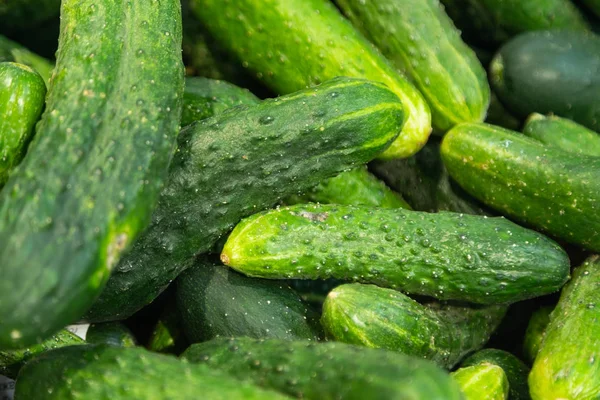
{"x": 482, "y": 382}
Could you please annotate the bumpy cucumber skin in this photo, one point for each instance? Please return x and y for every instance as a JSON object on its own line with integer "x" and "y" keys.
{"x": 95, "y": 168}
{"x": 448, "y": 256}
{"x": 22, "y": 95}
{"x": 421, "y": 40}
{"x": 24, "y": 13}
{"x": 113, "y": 333}
{"x": 566, "y": 366}
{"x": 216, "y": 301}
{"x": 356, "y": 187}
{"x": 563, "y": 133}
{"x": 550, "y": 72}
{"x": 292, "y": 44}
{"x": 482, "y": 382}
{"x": 267, "y": 152}
{"x": 104, "y": 372}
{"x": 534, "y": 335}
{"x": 323, "y": 371}
{"x": 13, "y": 52}
{"x": 547, "y": 188}
{"x": 375, "y": 317}
{"x": 516, "y": 371}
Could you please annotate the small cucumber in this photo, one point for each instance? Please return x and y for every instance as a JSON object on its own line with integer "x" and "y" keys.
{"x": 482, "y": 382}
{"x": 534, "y": 335}
{"x": 13, "y": 52}
{"x": 113, "y": 333}
{"x": 384, "y": 318}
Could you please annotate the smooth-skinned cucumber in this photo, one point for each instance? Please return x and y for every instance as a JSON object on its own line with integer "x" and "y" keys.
{"x": 96, "y": 165}
{"x": 550, "y": 189}
{"x": 292, "y": 44}
{"x": 534, "y": 335}
{"x": 113, "y": 333}
{"x": 448, "y": 256}
{"x": 482, "y": 382}
{"x": 13, "y": 52}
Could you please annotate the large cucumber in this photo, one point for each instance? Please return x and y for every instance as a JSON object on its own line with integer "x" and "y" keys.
{"x": 13, "y": 52}
{"x": 482, "y": 382}
{"x": 448, "y": 256}
{"x": 96, "y": 166}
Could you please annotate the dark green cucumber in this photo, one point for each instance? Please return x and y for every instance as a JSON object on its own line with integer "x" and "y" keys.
{"x": 13, "y": 52}
{"x": 482, "y": 382}
{"x": 292, "y": 44}
{"x": 356, "y": 187}
{"x": 421, "y": 40}
{"x": 215, "y": 301}
{"x": 95, "y": 168}
{"x": 269, "y": 151}
{"x": 534, "y": 335}
{"x": 11, "y": 361}
{"x": 22, "y": 95}
{"x": 326, "y": 371}
{"x": 114, "y": 333}
{"x": 550, "y": 72}
{"x": 516, "y": 371}
{"x": 545, "y": 187}
{"x": 384, "y": 318}
{"x": 567, "y": 365}
{"x": 563, "y": 133}
{"x": 104, "y": 372}
{"x": 448, "y": 256}
{"x": 26, "y": 13}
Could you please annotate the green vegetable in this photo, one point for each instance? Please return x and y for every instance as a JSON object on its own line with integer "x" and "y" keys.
{"x": 384, "y": 318}
{"x": 567, "y": 364}
{"x": 94, "y": 170}
{"x": 292, "y": 44}
{"x": 550, "y": 72}
{"x": 482, "y": 382}
{"x": 535, "y": 333}
{"x": 26, "y": 13}
{"x": 446, "y": 255}
{"x": 22, "y": 93}
{"x": 547, "y": 188}
{"x": 13, "y": 52}
{"x": 242, "y": 161}
{"x": 114, "y": 333}
{"x": 326, "y": 371}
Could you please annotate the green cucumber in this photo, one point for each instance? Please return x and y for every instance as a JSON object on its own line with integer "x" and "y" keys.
{"x": 13, "y": 52}
{"x": 215, "y": 301}
{"x": 516, "y": 371}
{"x": 448, "y": 256}
{"x": 267, "y": 152}
{"x": 563, "y": 133}
{"x": 534, "y": 335}
{"x": 566, "y": 366}
{"x": 550, "y": 72}
{"x": 95, "y": 168}
{"x": 26, "y": 13}
{"x": 22, "y": 94}
{"x": 325, "y": 371}
{"x": 355, "y": 187}
{"x": 482, "y": 382}
{"x": 545, "y": 187}
{"x": 104, "y": 372}
{"x": 384, "y": 318}
{"x": 292, "y": 44}
{"x": 420, "y": 40}
{"x": 114, "y": 333}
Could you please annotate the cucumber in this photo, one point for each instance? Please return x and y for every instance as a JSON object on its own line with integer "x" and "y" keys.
{"x": 96, "y": 166}
{"x": 371, "y": 316}
{"x": 550, "y": 72}
{"x": 566, "y": 365}
{"x": 22, "y": 93}
{"x": 448, "y": 256}
{"x": 482, "y": 382}
{"x": 292, "y": 44}
{"x": 534, "y": 335}
{"x": 13, "y": 52}
{"x": 325, "y": 371}
{"x": 26, "y": 13}
{"x": 420, "y": 40}
{"x": 516, "y": 371}
{"x": 104, "y": 372}
{"x": 113, "y": 333}
{"x": 563, "y": 133}
{"x": 267, "y": 152}
{"x": 215, "y": 301}
{"x": 544, "y": 187}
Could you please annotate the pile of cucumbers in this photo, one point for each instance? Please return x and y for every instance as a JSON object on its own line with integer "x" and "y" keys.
{"x": 316, "y": 199}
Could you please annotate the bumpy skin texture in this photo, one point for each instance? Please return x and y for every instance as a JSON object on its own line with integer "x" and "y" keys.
{"x": 22, "y": 94}
{"x": 113, "y": 333}
{"x": 216, "y": 301}
{"x": 104, "y": 372}
{"x": 420, "y": 40}
{"x": 242, "y": 161}
{"x": 292, "y": 44}
{"x": 550, "y": 72}
{"x": 324, "y": 371}
{"x": 563, "y": 134}
{"x": 448, "y": 256}
{"x": 371, "y": 316}
{"x": 567, "y": 366}
{"x": 23, "y": 13}
{"x": 13, "y": 52}
{"x": 534, "y": 335}
{"x": 96, "y": 166}
{"x": 482, "y": 382}
{"x": 545, "y": 187}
